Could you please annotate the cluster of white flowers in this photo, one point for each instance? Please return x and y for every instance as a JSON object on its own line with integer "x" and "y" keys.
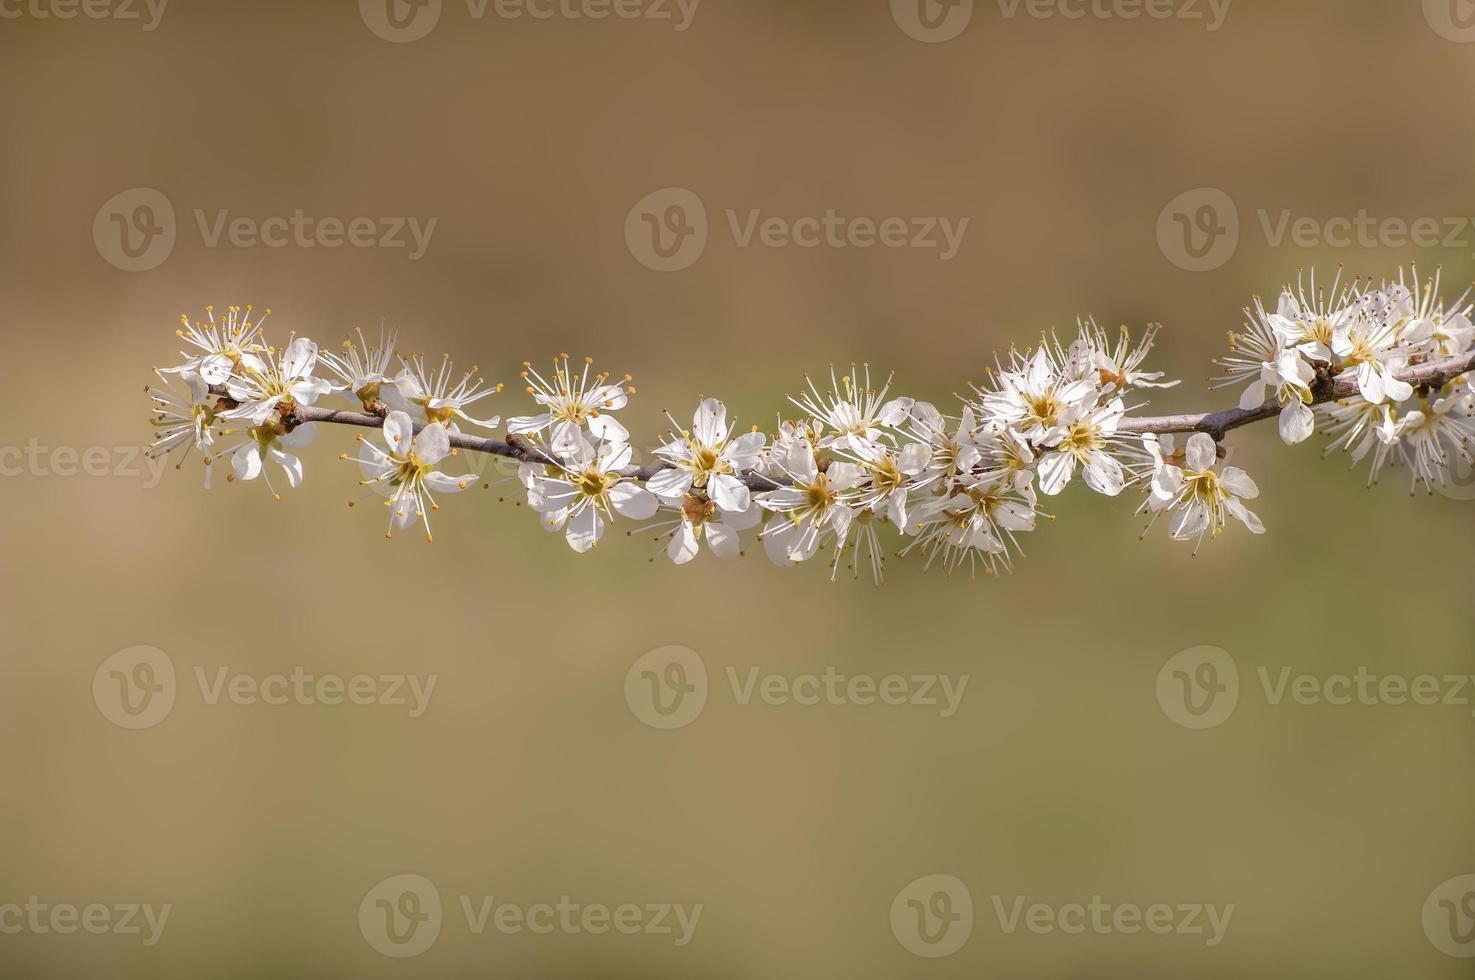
{"x": 1370, "y": 332}
{"x": 857, "y": 461}
{"x": 234, "y": 384}
{"x": 960, "y": 488}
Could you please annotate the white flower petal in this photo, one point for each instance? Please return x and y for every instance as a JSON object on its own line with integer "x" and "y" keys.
{"x": 1055, "y": 472}
{"x": 722, "y": 539}
{"x": 633, "y": 501}
{"x": 1238, "y": 482}
{"x": 709, "y": 423}
{"x": 1297, "y": 421}
{"x": 300, "y": 358}
{"x": 608, "y": 428}
{"x": 743, "y": 451}
{"x": 1103, "y": 474}
{"x": 441, "y": 483}
{"x": 585, "y": 529}
{"x": 432, "y": 444}
{"x": 1200, "y": 452}
{"x": 523, "y": 424}
{"x": 683, "y": 547}
{"x": 728, "y": 492}
{"x": 245, "y": 463}
{"x": 671, "y": 484}
{"x": 290, "y": 463}
{"x": 399, "y": 433}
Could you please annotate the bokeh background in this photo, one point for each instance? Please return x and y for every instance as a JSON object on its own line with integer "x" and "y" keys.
{"x": 529, "y": 777}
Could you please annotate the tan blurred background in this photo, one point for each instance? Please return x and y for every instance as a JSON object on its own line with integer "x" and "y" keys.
{"x": 529, "y": 776}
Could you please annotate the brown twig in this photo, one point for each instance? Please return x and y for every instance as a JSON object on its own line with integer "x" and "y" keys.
{"x": 1430, "y": 374}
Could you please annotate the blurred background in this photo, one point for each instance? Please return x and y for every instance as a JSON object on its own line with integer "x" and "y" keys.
{"x": 1138, "y": 168}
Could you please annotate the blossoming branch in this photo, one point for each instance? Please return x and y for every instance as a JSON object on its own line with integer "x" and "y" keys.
{"x": 1384, "y": 369}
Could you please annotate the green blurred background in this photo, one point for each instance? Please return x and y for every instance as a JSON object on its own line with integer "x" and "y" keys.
{"x": 529, "y": 776}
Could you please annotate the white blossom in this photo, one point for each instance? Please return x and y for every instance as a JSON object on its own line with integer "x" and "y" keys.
{"x": 857, "y": 413}
{"x": 700, "y": 519}
{"x": 707, "y": 457}
{"x": 573, "y": 403}
{"x": 270, "y": 442}
{"x": 404, "y": 468}
{"x": 270, "y": 385}
{"x": 810, "y": 507}
{"x": 1288, "y": 380}
{"x": 1193, "y": 486}
{"x": 184, "y": 412}
{"x": 1083, "y": 435}
{"x": 588, "y": 492}
{"x": 221, "y": 347}
{"x": 438, "y": 394}
{"x": 364, "y": 367}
